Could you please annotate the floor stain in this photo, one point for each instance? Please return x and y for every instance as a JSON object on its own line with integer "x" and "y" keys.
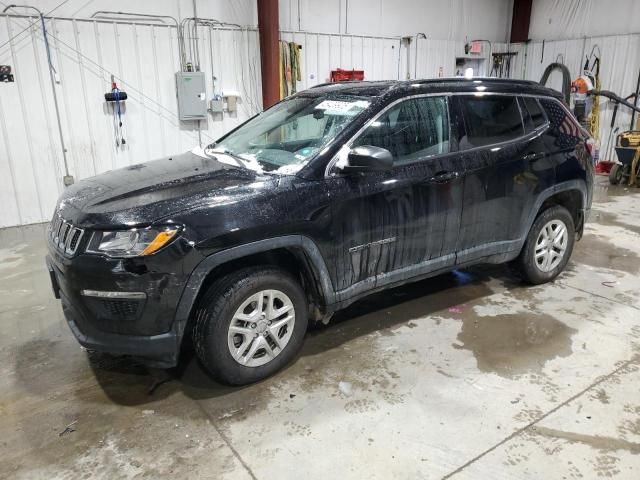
{"x": 598, "y": 442}
{"x": 513, "y": 344}
{"x": 606, "y": 466}
{"x": 598, "y": 252}
{"x": 630, "y": 427}
{"x": 607, "y": 218}
{"x": 601, "y": 395}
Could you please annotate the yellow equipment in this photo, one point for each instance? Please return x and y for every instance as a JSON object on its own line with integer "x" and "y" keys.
{"x": 628, "y": 151}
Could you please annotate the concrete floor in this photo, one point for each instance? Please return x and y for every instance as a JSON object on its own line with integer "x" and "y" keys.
{"x": 469, "y": 375}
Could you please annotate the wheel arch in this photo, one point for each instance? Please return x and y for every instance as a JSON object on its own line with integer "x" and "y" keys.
{"x": 296, "y": 253}
{"x": 571, "y": 194}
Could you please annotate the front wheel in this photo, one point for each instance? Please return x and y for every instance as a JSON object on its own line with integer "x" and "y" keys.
{"x": 548, "y": 246}
{"x": 250, "y": 324}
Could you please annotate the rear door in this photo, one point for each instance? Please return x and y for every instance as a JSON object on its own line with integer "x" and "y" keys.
{"x": 393, "y": 225}
{"x": 505, "y": 167}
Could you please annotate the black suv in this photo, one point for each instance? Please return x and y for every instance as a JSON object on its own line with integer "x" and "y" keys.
{"x": 332, "y": 194}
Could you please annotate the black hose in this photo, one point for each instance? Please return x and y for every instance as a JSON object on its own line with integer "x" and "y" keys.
{"x": 614, "y": 97}
{"x": 566, "y": 78}
{"x": 633, "y": 115}
{"x": 615, "y": 109}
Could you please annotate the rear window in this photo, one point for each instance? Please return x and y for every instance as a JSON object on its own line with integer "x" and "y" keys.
{"x": 532, "y": 113}
{"x": 490, "y": 119}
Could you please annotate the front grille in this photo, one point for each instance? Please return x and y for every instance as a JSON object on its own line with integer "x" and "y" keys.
{"x": 64, "y": 236}
{"x": 114, "y": 315}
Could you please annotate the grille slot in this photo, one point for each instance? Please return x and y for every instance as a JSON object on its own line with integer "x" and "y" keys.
{"x": 74, "y": 239}
{"x": 120, "y": 308}
{"x": 111, "y": 311}
{"x": 64, "y": 236}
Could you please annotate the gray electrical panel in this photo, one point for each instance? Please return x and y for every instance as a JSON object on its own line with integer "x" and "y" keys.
{"x": 192, "y": 97}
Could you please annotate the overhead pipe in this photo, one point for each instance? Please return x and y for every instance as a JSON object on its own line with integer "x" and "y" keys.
{"x": 159, "y": 18}
{"x": 269, "y": 51}
{"x": 68, "y": 180}
{"x": 418, "y": 36}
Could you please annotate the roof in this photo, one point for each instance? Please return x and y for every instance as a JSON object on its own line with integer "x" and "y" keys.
{"x": 435, "y": 85}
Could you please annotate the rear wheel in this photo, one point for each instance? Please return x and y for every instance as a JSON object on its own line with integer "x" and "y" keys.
{"x": 250, "y": 324}
{"x": 548, "y": 246}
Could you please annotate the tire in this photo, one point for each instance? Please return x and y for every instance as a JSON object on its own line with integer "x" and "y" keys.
{"x": 531, "y": 261}
{"x": 615, "y": 174}
{"x": 218, "y": 313}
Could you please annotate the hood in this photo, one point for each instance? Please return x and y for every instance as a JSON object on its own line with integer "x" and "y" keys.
{"x": 147, "y": 192}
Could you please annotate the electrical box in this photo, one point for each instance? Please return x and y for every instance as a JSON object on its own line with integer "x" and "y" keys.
{"x": 232, "y": 100}
{"x": 192, "y": 97}
{"x": 217, "y": 105}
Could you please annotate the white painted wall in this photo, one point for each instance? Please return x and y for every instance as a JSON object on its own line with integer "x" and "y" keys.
{"x": 567, "y": 19}
{"x": 438, "y": 19}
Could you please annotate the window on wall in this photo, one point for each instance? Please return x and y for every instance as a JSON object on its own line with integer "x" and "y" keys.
{"x": 490, "y": 119}
{"x": 412, "y": 130}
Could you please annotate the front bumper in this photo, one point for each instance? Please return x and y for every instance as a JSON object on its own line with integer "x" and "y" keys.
{"x": 144, "y": 329}
{"x": 159, "y": 351}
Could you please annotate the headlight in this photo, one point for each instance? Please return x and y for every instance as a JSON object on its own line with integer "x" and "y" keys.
{"x": 131, "y": 243}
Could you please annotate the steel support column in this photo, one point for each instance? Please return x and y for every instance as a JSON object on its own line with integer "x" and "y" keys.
{"x": 269, "y": 36}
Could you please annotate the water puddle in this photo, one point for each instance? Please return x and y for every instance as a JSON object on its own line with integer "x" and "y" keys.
{"x": 513, "y": 344}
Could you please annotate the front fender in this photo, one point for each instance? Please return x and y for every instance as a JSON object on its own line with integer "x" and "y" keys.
{"x": 200, "y": 273}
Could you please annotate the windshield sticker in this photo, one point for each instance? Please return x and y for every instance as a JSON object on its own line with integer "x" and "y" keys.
{"x": 337, "y": 107}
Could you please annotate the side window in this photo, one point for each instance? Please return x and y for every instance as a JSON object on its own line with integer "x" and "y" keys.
{"x": 490, "y": 119}
{"x": 412, "y": 130}
{"x": 532, "y": 113}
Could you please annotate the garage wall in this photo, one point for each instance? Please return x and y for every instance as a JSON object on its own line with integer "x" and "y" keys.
{"x": 566, "y": 19}
{"x": 443, "y": 20}
{"x": 379, "y": 57}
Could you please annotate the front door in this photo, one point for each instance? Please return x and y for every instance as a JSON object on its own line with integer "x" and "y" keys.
{"x": 395, "y": 225}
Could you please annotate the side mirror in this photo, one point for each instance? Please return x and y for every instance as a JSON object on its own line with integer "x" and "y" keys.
{"x": 368, "y": 159}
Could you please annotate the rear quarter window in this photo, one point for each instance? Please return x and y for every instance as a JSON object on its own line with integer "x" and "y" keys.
{"x": 563, "y": 125}
{"x": 490, "y": 119}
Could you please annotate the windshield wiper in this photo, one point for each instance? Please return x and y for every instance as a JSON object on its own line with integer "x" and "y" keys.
{"x": 239, "y": 160}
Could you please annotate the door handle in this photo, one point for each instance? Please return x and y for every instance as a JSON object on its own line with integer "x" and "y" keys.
{"x": 443, "y": 177}
{"x": 531, "y": 156}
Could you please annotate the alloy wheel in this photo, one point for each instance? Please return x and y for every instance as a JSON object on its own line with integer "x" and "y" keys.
{"x": 551, "y": 245}
{"x": 261, "y": 328}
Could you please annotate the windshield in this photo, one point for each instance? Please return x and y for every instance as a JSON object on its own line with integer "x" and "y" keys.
{"x": 286, "y": 137}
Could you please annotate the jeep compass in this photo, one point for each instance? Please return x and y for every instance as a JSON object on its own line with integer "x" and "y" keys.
{"x": 334, "y": 193}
